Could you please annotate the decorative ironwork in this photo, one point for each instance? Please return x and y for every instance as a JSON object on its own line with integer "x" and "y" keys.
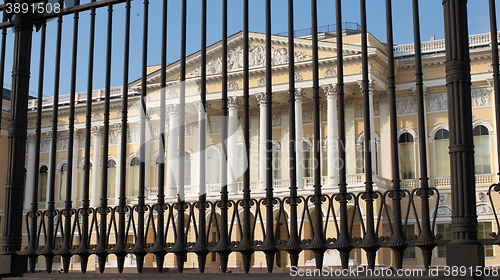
{"x": 95, "y": 223}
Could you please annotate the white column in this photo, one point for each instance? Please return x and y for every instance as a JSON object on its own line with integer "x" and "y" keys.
{"x": 96, "y": 168}
{"x": 285, "y": 142}
{"x": 232, "y": 144}
{"x": 30, "y": 172}
{"x": 172, "y": 150}
{"x": 254, "y": 147}
{"x": 385, "y": 138}
{"x": 118, "y": 128}
{"x": 351, "y": 155}
{"x": 199, "y": 161}
{"x": 333, "y": 164}
{"x": 299, "y": 93}
{"x": 494, "y": 122}
{"x": 74, "y": 176}
{"x": 261, "y": 97}
{"x": 147, "y": 157}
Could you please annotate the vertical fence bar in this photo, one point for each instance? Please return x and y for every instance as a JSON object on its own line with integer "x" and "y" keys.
{"x": 222, "y": 247}
{"x": 201, "y": 245}
{"x": 179, "y": 248}
{"x": 398, "y": 241}
{"x": 458, "y": 82}
{"x": 34, "y": 214}
{"x": 51, "y": 185}
{"x": 68, "y": 208}
{"x": 159, "y": 247}
{"x": 318, "y": 242}
{"x": 102, "y": 245}
{"x": 426, "y": 237}
{"x": 140, "y": 243}
{"x": 2, "y": 57}
{"x": 370, "y": 240}
{"x": 343, "y": 243}
{"x": 245, "y": 246}
{"x": 496, "y": 72}
{"x": 18, "y": 119}
{"x": 269, "y": 244}
{"x": 293, "y": 244}
{"x": 83, "y": 249}
{"x": 120, "y": 247}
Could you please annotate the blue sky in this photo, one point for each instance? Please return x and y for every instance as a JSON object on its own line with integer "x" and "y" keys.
{"x": 431, "y": 14}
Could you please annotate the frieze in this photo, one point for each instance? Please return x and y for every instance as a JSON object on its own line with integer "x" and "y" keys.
{"x": 63, "y": 143}
{"x": 307, "y": 114}
{"x": 406, "y": 105}
{"x": 257, "y": 58}
{"x": 480, "y": 97}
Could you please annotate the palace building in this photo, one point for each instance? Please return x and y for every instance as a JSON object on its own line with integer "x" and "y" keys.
{"x": 436, "y": 128}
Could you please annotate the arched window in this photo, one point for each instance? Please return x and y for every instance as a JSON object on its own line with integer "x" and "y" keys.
{"x": 407, "y": 156}
{"x": 307, "y": 149}
{"x": 213, "y": 166}
{"x": 187, "y": 169}
{"x": 360, "y": 154}
{"x": 42, "y": 183}
{"x": 111, "y": 178}
{"x": 134, "y": 177}
{"x": 63, "y": 180}
{"x": 276, "y": 161}
{"x": 441, "y": 143}
{"x": 482, "y": 159}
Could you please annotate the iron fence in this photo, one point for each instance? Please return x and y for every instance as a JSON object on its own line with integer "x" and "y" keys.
{"x": 243, "y": 220}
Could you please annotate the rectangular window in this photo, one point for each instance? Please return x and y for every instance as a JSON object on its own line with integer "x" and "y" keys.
{"x": 484, "y": 229}
{"x": 445, "y": 231}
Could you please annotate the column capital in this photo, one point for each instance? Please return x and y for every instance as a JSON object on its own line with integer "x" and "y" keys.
{"x": 349, "y": 101}
{"x": 330, "y": 90}
{"x": 30, "y": 138}
{"x": 97, "y": 130}
{"x": 299, "y": 94}
{"x": 118, "y": 127}
{"x": 77, "y": 133}
{"x": 233, "y": 102}
{"x": 371, "y": 85}
{"x": 173, "y": 109}
{"x": 261, "y": 97}
{"x": 383, "y": 97}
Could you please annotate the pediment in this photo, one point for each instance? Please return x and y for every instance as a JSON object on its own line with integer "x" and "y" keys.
{"x": 257, "y": 56}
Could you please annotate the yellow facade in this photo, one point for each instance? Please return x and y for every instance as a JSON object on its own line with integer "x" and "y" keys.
{"x": 436, "y": 120}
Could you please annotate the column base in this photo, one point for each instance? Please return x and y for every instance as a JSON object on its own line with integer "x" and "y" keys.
{"x": 13, "y": 265}
{"x": 465, "y": 255}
